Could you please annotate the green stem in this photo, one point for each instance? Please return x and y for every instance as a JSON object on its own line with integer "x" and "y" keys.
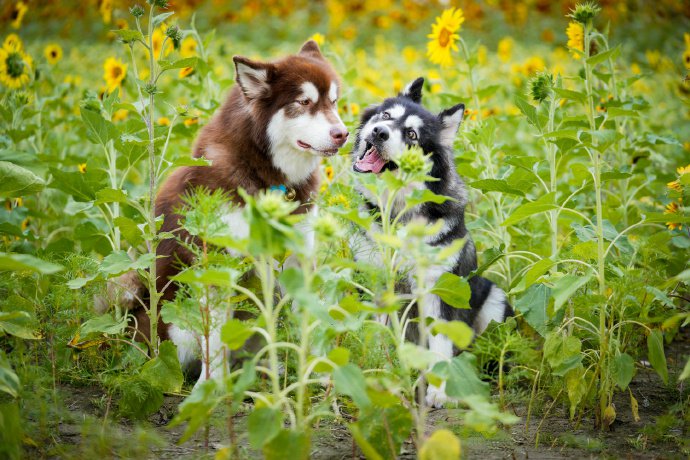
{"x": 601, "y": 275}
{"x": 473, "y": 85}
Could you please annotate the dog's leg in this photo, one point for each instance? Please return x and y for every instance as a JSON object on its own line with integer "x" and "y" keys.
{"x": 495, "y": 307}
{"x": 442, "y": 347}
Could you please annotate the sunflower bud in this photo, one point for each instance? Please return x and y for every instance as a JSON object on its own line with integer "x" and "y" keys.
{"x": 174, "y": 34}
{"x": 273, "y": 204}
{"x": 151, "y": 89}
{"x": 412, "y": 161}
{"x": 137, "y": 11}
{"x": 540, "y": 87}
{"x": 326, "y": 227}
{"x": 158, "y": 3}
{"x": 585, "y": 12}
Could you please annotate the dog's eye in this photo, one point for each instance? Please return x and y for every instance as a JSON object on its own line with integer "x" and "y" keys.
{"x": 303, "y": 101}
{"x": 411, "y": 134}
{"x": 386, "y": 116}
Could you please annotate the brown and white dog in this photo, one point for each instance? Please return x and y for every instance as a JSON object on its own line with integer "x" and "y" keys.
{"x": 277, "y": 123}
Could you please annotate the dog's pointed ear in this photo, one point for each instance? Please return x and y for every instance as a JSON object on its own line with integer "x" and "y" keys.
{"x": 252, "y": 77}
{"x": 450, "y": 122}
{"x": 413, "y": 90}
{"x": 311, "y": 49}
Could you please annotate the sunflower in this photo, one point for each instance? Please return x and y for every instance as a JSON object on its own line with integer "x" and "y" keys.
{"x": 686, "y": 54}
{"x": 120, "y": 115}
{"x": 53, "y": 53}
{"x": 683, "y": 170}
{"x": 185, "y": 72}
{"x": 673, "y": 208}
{"x": 164, "y": 121}
{"x": 82, "y": 168}
{"x": 191, "y": 121}
{"x": 15, "y": 67}
{"x": 13, "y": 43}
{"x": 576, "y": 38}
{"x": 318, "y": 38}
{"x": 505, "y": 49}
{"x": 443, "y": 37}
{"x": 675, "y": 185}
{"x": 188, "y": 47}
{"x": 158, "y": 38}
{"x": 329, "y": 172}
{"x": 114, "y": 72}
{"x": 106, "y": 9}
{"x": 17, "y": 14}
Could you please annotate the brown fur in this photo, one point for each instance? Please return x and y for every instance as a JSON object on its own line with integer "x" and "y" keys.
{"x": 235, "y": 141}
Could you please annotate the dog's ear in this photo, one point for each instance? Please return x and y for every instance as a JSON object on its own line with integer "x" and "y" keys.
{"x": 311, "y": 49}
{"x": 253, "y": 77}
{"x": 450, "y": 122}
{"x": 368, "y": 113}
{"x": 413, "y": 90}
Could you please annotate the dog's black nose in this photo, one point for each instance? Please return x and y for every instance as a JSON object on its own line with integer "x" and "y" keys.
{"x": 381, "y": 132}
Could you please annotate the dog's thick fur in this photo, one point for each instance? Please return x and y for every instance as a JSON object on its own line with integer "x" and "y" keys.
{"x": 385, "y": 131}
{"x": 272, "y": 130}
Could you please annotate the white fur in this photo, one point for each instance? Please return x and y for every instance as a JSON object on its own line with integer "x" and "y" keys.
{"x": 493, "y": 308}
{"x": 310, "y": 91}
{"x": 294, "y": 161}
{"x": 396, "y": 111}
{"x": 450, "y": 127}
{"x": 186, "y": 343}
{"x": 239, "y": 227}
{"x": 252, "y": 81}
{"x": 414, "y": 122}
{"x": 333, "y": 92}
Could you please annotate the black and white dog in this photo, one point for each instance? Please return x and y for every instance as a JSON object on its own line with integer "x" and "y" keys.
{"x": 385, "y": 131}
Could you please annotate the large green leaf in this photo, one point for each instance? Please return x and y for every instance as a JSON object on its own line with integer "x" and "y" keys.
{"x": 104, "y": 324}
{"x": 622, "y": 370}
{"x": 196, "y": 409}
{"x": 164, "y": 370}
{"x": 543, "y": 204}
{"x": 288, "y": 444}
{"x": 562, "y": 352}
{"x": 457, "y": 331}
{"x": 453, "y": 290}
{"x": 9, "y": 382}
{"x": 235, "y": 333}
{"x": 100, "y": 130}
{"x": 25, "y": 262}
{"x": 349, "y": 380}
{"x": 657, "y": 358}
{"x": 441, "y": 445}
{"x": 17, "y": 181}
{"x": 461, "y": 376}
{"x": 263, "y": 425}
{"x": 566, "y": 286}
{"x": 382, "y": 430}
{"x": 496, "y": 185}
{"x": 534, "y": 305}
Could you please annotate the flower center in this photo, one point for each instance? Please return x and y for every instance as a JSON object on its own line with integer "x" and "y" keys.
{"x": 444, "y": 37}
{"x": 116, "y": 72}
{"x": 53, "y": 53}
{"x": 15, "y": 65}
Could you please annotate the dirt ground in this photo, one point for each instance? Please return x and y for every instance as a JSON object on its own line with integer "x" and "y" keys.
{"x": 558, "y": 438}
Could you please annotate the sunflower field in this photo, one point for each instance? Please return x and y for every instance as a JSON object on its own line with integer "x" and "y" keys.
{"x": 575, "y": 151}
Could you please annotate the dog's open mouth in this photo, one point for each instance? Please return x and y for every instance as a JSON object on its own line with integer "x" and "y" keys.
{"x": 370, "y": 161}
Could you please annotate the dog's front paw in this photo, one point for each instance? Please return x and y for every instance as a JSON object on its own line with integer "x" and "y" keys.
{"x": 436, "y": 397}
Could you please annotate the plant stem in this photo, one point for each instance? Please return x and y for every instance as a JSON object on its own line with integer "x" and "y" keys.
{"x": 601, "y": 275}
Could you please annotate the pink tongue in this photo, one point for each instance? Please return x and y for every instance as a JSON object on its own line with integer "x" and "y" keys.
{"x": 371, "y": 162}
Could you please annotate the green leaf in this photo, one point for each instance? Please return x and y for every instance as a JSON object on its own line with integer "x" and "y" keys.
{"x": 576, "y": 385}
{"x": 16, "y": 181}
{"x": 615, "y": 112}
{"x": 235, "y": 333}
{"x": 533, "y": 305}
{"x": 196, "y": 409}
{"x": 339, "y": 355}
{"x": 566, "y": 286}
{"x": 572, "y": 95}
{"x": 453, "y": 290}
{"x": 129, "y": 230}
{"x": 538, "y": 269}
{"x": 425, "y": 195}
{"x": 441, "y": 445}
{"x": 462, "y": 379}
{"x": 457, "y": 331}
{"x": 563, "y": 134}
{"x": 686, "y": 371}
{"x": 416, "y": 357}
{"x": 496, "y": 185}
{"x": 623, "y": 368}
{"x": 105, "y": 324}
{"x": 164, "y": 370}
{"x": 562, "y": 352}
{"x": 159, "y": 18}
{"x": 128, "y": 35}
{"x": 381, "y": 431}
{"x": 349, "y": 380}
{"x": 612, "y": 54}
{"x": 264, "y": 424}
{"x": 528, "y": 110}
{"x": 100, "y": 130}
{"x": 9, "y": 382}
{"x": 109, "y": 195}
{"x": 655, "y": 347}
{"x": 543, "y": 204}
{"x": 25, "y": 262}
{"x": 295, "y": 442}
{"x": 119, "y": 262}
